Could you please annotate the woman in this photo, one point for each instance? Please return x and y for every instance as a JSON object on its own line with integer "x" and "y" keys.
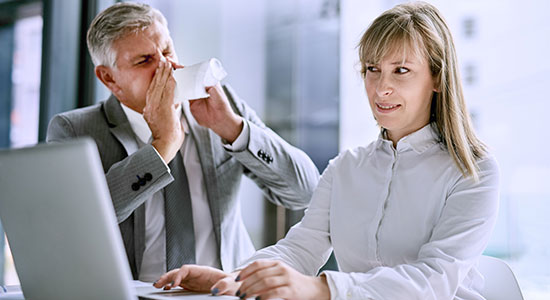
{"x": 409, "y": 215}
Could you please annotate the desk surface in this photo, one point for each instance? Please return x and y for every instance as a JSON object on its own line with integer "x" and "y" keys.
{"x": 143, "y": 289}
{"x": 13, "y": 292}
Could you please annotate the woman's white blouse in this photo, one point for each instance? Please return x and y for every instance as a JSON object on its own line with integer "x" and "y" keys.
{"x": 404, "y": 223}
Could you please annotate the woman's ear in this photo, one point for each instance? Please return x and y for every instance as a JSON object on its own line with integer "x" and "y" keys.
{"x": 436, "y": 84}
{"x": 105, "y": 74}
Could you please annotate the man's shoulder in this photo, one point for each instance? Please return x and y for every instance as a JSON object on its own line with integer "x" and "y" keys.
{"x": 93, "y": 115}
{"x": 83, "y": 121}
{"x": 88, "y": 111}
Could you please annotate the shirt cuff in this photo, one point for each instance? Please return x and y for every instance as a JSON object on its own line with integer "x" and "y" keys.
{"x": 341, "y": 286}
{"x": 162, "y": 159}
{"x": 241, "y": 143}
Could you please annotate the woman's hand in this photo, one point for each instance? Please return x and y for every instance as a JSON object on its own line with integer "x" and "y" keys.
{"x": 194, "y": 278}
{"x": 269, "y": 279}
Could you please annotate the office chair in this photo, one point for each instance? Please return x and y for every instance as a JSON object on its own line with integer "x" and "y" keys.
{"x": 500, "y": 282}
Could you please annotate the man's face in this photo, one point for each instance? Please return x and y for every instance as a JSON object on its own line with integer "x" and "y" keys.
{"x": 138, "y": 55}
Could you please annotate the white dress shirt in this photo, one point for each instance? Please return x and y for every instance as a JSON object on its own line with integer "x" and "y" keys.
{"x": 206, "y": 248}
{"x": 404, "y": 223}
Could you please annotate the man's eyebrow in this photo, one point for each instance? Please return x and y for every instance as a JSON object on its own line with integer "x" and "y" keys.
{"x": 140, "y": 56}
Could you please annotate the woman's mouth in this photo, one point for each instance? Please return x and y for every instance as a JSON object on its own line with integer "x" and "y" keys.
{"x": 387, "y": 107}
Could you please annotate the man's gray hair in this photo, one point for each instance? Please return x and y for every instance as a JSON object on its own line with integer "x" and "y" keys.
{"x": 114, "y": 23}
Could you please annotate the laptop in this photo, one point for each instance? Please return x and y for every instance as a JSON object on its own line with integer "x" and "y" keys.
{"x": 60, "y": 223}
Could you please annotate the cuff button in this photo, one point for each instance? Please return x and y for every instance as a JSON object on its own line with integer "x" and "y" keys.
{"x": 148, "y": 176}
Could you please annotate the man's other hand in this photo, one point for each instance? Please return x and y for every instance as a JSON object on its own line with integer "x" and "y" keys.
{"x": 215, "y": 113}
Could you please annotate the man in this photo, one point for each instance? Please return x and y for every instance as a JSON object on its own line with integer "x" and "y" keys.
{"x": 174, "y": 170}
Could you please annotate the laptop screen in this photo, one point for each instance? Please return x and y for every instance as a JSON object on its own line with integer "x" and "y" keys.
{"x": 59, "y": 219}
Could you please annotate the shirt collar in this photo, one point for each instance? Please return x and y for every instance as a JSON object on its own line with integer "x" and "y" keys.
{"x": 140, "y": 127}
{"x": 419, "y": 141}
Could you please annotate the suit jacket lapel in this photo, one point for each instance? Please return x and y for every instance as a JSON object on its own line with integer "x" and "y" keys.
{"x": 122, "y": 131}
{"x": 204, "y": 138}
{"x": 119, "y": 125}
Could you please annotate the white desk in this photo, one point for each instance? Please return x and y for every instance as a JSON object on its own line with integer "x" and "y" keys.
{"x": 14, "y": 293}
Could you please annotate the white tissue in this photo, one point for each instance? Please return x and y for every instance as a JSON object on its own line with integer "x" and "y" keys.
{"x": 191, "y": 81}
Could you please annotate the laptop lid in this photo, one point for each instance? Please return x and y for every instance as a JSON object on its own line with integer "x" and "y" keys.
{"x": 59, "y": 219}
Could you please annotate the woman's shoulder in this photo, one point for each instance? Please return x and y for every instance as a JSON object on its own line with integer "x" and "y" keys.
{"x": 488, "y": 163}
{"x": 354, "y": 155}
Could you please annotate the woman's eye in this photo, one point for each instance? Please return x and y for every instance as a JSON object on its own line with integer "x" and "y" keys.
{"x": 401, "y": 70}
{"x": 372, "y": 69}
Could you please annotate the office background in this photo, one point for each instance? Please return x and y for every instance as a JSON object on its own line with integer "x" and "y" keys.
{"x": 296, "y": 64}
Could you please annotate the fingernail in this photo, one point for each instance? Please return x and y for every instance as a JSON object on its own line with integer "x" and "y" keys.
{"x": 242, "y": 296}
{"x": 155, "y": 282}
{"x": 238, "y": 293}
{"x": 238, "y": 278}
{"x": 214, "y": 291}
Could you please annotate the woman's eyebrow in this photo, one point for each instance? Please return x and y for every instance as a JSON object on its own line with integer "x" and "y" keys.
{"x": 402, "y": 62}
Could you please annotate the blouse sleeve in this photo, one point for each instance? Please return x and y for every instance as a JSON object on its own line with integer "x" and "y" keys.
{"x": 456, "y": 243}
{"x": 307, "y": 245}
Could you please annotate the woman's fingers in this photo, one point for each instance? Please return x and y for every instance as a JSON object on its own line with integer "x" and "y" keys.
{"x": 165, "y": 279}
{"x": 254, "y": 267}
{"x": 270, "y": 276}
{"x": 225, "y": 286}
{"x": 282, "y": 292}
{"x": 177, "y": 278}
{"x": 263, "y": 276}
{"x": 264, "y": 285}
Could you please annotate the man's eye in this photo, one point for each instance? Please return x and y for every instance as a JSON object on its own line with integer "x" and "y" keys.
{"x": 401, "y": 70}
{"x": 144, "y": 61}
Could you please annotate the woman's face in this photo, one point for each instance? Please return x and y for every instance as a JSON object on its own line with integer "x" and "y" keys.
{"x": 400, "y": 92}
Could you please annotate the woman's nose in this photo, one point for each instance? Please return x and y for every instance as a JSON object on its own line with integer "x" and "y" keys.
{"x": 384, "y": 87}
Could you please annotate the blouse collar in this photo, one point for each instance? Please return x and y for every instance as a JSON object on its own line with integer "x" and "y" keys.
{"x": 419, "y": 141}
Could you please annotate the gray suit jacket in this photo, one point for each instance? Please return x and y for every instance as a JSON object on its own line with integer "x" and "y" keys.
{"x": 286, "y": 175}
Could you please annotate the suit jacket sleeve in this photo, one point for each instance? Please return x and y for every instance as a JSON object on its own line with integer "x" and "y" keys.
{"x": 286, "y": 175}
{"x": 121, "y": 174}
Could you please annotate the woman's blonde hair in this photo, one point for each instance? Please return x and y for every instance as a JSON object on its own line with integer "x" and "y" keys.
{"x": 420, "y": 28}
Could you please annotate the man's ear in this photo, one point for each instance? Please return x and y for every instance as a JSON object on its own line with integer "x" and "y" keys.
{"x": 105, "y": 74}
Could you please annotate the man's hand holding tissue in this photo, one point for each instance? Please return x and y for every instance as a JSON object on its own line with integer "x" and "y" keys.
{"x": 161, "y": 114}
{"x": 215, "y": 113}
